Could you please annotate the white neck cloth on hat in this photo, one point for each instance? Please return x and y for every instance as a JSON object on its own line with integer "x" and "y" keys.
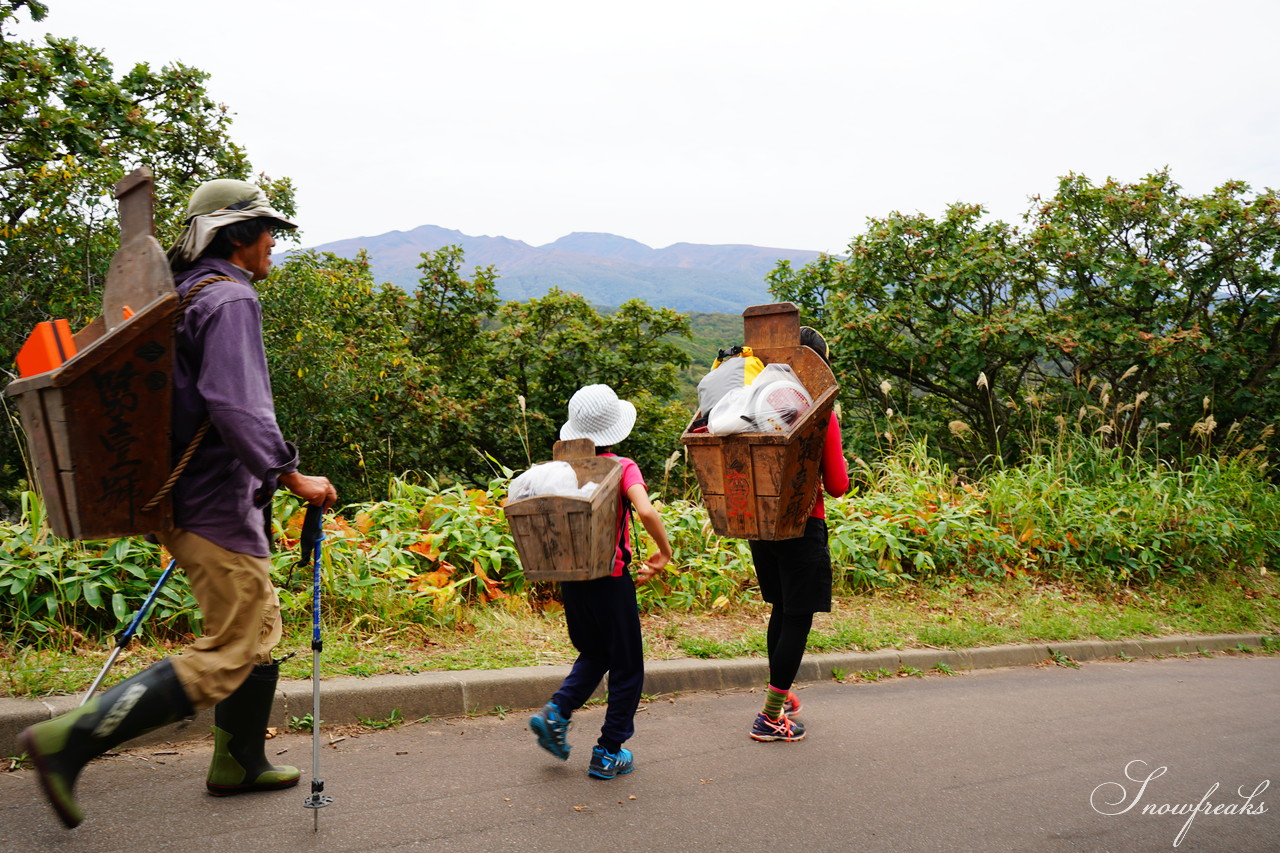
{"x": 200, "y": 230}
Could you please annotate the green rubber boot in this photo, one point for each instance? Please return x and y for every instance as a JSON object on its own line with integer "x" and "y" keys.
{"x": 239, "y": 762}
{"x": 61, "y": 747}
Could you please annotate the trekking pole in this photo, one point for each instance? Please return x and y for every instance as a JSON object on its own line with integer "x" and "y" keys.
{"x": 127, "y": 634}
{"x": 312, "y": 536}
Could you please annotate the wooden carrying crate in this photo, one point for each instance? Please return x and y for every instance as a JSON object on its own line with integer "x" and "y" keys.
{"x": 764, "y": 485}
{"x": 561, "y": 538}
{"x": 97, "y": 426}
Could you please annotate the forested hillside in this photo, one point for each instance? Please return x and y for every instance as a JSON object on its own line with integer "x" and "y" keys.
{"x": 604, "y": 268}
{"x": 710, "y": 333}
{"x": 1082, "y": 404}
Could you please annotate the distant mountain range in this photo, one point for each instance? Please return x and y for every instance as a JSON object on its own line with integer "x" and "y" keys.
{"x": 605, "y": 269}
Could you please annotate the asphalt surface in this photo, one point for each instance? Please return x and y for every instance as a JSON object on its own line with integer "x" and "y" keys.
{"x": 1029, "y": 758}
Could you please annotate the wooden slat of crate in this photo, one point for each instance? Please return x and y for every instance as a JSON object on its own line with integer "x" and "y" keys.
{"x": 739, "y": 463}
{"x": 545, "y": 539}
{"x": 773, "y": 325}
{"x": 562, "y": 538}
{"x": 31, "y": 410}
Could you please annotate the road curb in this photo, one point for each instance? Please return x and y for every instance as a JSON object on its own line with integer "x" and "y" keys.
{"x": 446, "y": 694}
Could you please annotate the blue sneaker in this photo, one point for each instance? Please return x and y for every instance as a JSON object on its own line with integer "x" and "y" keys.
{"x": 606, "y": 765}
{"x": 551, "y": 727}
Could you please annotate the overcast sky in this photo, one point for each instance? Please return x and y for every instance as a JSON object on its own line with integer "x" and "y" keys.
{"x": 781, "y": 124}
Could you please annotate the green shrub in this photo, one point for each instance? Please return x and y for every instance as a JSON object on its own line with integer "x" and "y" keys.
{"x": 430, "y": 554}
{"x": 55, "y": 589}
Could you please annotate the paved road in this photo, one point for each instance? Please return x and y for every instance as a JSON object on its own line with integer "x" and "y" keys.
{"x": 994, "y": 760}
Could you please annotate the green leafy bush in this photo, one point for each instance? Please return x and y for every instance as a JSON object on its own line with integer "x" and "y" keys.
{"x": 431, "y": 554}
{"x": 54, "y": 589}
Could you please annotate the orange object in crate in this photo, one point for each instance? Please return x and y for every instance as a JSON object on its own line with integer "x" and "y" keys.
{"x": 47, "y": 347}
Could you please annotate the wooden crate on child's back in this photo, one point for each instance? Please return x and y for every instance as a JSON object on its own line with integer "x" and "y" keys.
{"x": 563, "y": 538}
{"x": 97, "y": 426}
{"x": 764, "y": 485}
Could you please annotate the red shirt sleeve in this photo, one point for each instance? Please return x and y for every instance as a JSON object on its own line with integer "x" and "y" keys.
{"x": 835, "y": 472}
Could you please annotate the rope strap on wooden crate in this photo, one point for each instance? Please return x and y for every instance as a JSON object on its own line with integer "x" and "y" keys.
{"x": 204, "y": 425}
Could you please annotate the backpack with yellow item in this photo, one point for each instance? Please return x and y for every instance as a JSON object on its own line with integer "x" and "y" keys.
{"x": 735, "y": 367}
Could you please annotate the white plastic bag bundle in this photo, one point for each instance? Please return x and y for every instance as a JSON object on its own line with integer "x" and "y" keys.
{"x": 777, "y": 406}
{"x": 734, "y": 368}
{"x": 549, "y": 478}
{"x": 729, "y": 415}
{"x": 774, "y": 402}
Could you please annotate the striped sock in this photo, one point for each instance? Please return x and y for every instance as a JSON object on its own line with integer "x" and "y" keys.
{"x": 773, "y": 699}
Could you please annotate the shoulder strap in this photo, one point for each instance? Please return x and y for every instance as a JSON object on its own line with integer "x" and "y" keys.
{"x": 191, "y": 294}
{"x": 624, "y": 513}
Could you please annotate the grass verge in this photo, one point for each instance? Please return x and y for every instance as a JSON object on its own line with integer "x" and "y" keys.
{"x": 947, "y": 615}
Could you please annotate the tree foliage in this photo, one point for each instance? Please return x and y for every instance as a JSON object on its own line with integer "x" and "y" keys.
{"x": 70, "y": 128}
{"x": 449, "y": 381}
{"x": 546, "y": 348}
{"x": 332, "y": 335}
{"x": 979, "y": 331}
{"x": 1183, "y": 288}
{"x": 371, "y": 381}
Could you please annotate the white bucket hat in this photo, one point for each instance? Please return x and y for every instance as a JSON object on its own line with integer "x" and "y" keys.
{"x": 595, "y": 412}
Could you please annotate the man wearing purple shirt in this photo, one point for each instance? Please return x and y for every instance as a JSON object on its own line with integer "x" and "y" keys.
{"x": 222, "y": 516}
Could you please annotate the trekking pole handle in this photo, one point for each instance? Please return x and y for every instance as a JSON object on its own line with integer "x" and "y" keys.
{"x": 316, "y": 644}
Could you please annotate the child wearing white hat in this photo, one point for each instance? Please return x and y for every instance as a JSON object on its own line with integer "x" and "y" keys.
{"x": 601, "y": 614}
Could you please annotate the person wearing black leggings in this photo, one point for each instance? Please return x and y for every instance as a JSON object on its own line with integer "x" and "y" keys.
{"x": 795, "y": 578}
